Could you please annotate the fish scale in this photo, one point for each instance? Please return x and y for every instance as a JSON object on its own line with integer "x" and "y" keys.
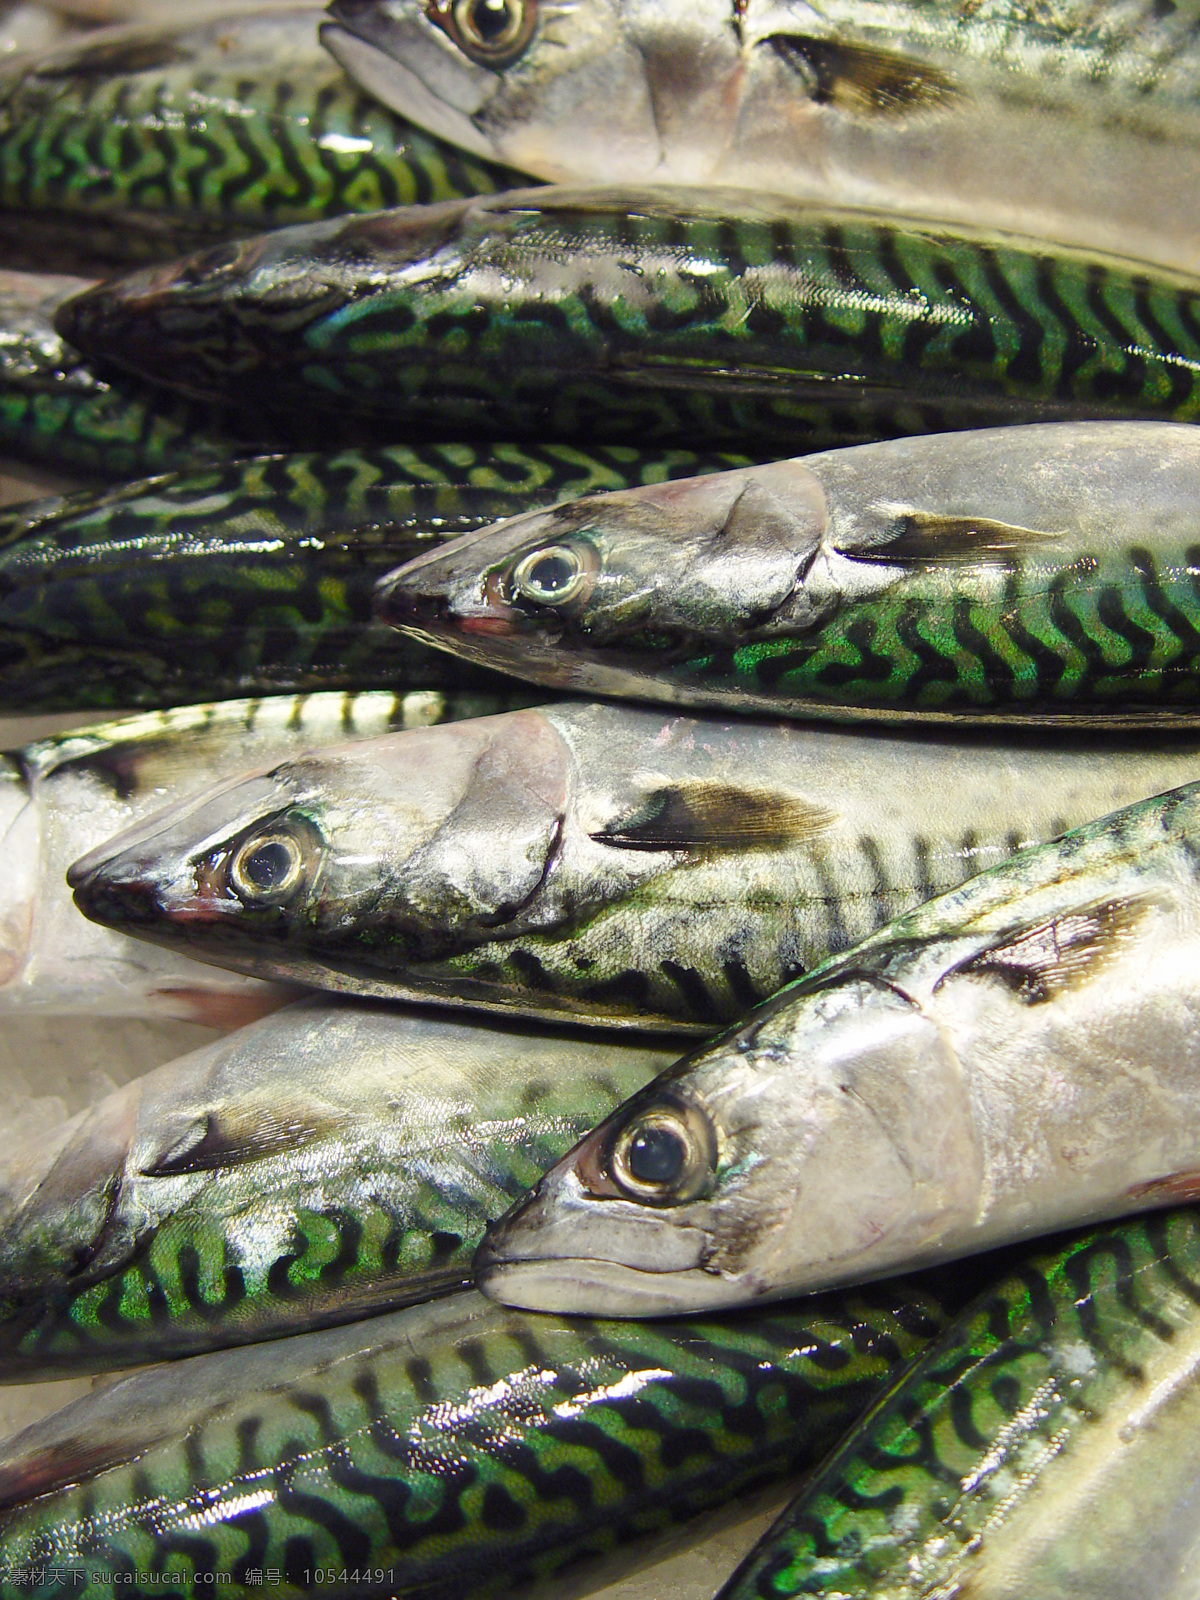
{"x": 680, "y": 316}
{"x": 149, "y": 139}
{"x": 996, "y": 1466}
{"x": 452, "y": 1449}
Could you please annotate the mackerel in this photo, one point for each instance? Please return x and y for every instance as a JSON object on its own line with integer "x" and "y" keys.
{"x": 448, "y": 1450}
{"x": 256, "y": 576}
{"x": 317, "y": 1166}
{"x": 1047, "y": 572}
{"x": 605, "y": 863}
{"x": 654, "y": 316}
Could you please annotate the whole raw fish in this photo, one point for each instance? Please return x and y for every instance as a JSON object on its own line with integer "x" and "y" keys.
{"x": 256, "y": 576}
{"x": 143, "y": 141}
{"x": 606, "y": 863}
{"x": 655, "y": 316}
{"x": 322, "y": 1164}
{"x": 1009, "y": 573}
{"x": 1020, "y": 1055}
{"x": 1045, "y": 1445}
{"x": 1074, "y": 122}
{"x": 443, "y": 1451}
{"x": 68, "y": 793}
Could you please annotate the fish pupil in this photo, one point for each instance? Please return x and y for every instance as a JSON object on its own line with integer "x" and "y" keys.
{"x": 269, "y": 865}
{"x": 492, "y": 19}
{"x": 552, "y": 574}
{"x": 656, "y": 1155}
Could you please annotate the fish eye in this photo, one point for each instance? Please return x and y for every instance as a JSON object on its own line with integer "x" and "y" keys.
{"x": 491, "y": 33}
{"x": 267, "y": 867}
{"x": 551, "y": 576}
{"x": 665, "y": 1155}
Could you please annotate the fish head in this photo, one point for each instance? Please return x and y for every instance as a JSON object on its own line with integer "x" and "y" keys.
{"x": 520, "y": 81}
{"x": 244, "y": 304}
{"x": 629, "y": 579}
{"x": 778, "y": 1161}
{"x": 406, "y": 847}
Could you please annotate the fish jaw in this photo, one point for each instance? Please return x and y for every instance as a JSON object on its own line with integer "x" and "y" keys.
{"x": 448, "y": 605}
{"x": 213, "y": 297}
{"x": 146, "y": 872}
{"x": 544, "y": 1256}
{"x": 371, "y": 48}
{"x": 406, "y": 848}
{"x": 518, "y": 113}
{"x": 678, "y": 563}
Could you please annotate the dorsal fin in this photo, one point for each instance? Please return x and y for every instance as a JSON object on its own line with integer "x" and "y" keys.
{"x": 715, "y": 816}
{"x": 926, "y": 538}
{"x": 865, "y": 80}
{"x": 1045, "y": 961}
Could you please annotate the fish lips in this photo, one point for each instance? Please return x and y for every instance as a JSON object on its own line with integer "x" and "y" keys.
{"x": 548, "y": 1254}
{"x": 411, "y": 67}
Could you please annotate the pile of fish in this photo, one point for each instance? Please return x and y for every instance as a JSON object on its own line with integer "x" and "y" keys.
{"x": 642, "y": 565}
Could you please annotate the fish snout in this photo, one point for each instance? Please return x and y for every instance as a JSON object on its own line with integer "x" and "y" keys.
{"x": 434, "y": 598}
{"x": 117, "y": 891}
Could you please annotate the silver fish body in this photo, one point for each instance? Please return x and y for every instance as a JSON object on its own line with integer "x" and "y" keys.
{"x": 68, "y": 793}
{"x": 1042, "y": 572}
{"x": 1017, "y": 1056}
{"x": 602, "y": 862}
{"x": 453, "y": 1450}
{"x": 324, "y": 1163}
{"x": 1075, "y": 123}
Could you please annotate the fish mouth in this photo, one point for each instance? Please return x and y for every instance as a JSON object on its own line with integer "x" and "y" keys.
{"x": 417, "y": 601}
{"x": 583, "y": 1286}
{"x": 411, "y": 68}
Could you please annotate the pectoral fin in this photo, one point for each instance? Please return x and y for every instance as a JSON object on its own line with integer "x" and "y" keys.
{"x": 924, "y": 538}
{"x": 714, "y": 816}
{"x": 863, "y": 80}
{"x": 1045, "y": 961}
{"x": 215, "y": 1140}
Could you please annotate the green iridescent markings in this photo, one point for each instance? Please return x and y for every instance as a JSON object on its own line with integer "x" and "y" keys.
{"x": 577, "y": 316}
{"x": 1032, "y": 1377}
{"x": 150, "y": 140}
{"x": 262, "y": 572}
{"x": 1118, "y": 630}
{"x": 461, "y": 1448}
